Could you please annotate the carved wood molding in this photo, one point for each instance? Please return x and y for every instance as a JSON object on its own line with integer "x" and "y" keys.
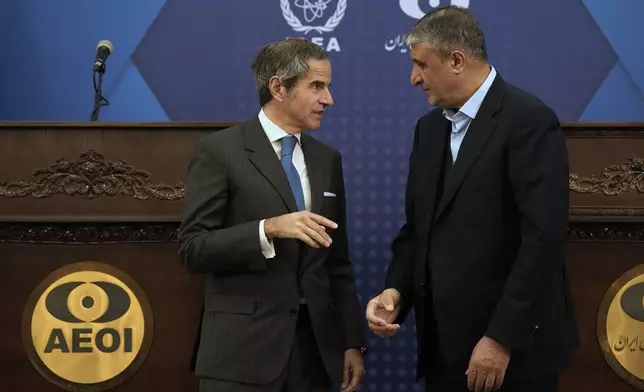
{"x": 88, "y": 233}
{"x": 594, "y": 232}
{"x": 166, "y": 232}
{"x": 606, "y": 212}
{"x": 91, "y": 176}
{"x": 617, "y": 179}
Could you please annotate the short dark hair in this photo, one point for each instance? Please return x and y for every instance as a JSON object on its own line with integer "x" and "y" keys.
{"x": 448, "y": 29}
{"x": 286, "y": 59}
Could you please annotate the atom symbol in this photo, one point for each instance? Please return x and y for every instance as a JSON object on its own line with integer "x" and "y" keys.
{"x": 313, "y": 9}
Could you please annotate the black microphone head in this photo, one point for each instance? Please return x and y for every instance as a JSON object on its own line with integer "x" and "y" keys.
{"x": 103, "y": 51}
{"x": 105, "y": 44}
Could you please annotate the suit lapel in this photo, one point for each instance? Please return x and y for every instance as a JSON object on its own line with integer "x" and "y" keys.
{"x": 432, "y": 163}
{"x": 476, "y": 138}
{"x": 262, "y": 155}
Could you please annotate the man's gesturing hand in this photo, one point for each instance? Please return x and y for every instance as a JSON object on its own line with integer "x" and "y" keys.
{"x": 302, "y": 225}
{"x": 382, "y": 311}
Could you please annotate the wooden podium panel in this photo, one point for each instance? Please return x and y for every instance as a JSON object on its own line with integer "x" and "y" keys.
{"x": 112, "y": 193}
{"x": 173, "y": 294}
{"x": 101, "y": 192}
{"x": 606, "y": 236}
{"x": 594, "y": 266}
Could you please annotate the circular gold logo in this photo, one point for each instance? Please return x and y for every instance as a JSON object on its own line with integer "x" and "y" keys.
{"x": 620, "y": 326}
{"x": 87, "y": 327}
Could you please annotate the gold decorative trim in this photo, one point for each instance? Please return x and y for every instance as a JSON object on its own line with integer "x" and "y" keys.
{"x": 627, "y": 177}
{"x": 91, "y": 176}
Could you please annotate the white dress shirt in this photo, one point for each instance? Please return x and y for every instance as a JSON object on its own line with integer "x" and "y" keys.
{"x": 275, "y": 134}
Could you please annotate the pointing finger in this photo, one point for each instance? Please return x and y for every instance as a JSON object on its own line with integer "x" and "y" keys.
{"x": 319, "y": 219}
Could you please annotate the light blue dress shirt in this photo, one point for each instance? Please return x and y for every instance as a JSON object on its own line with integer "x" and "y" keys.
{"x": 461, "y": 120}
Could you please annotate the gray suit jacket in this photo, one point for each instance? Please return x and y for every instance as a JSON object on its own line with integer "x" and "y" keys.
{"x": 235, "y": 180}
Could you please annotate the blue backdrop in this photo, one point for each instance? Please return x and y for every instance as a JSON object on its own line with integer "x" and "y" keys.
{"x": 190, "y": 60}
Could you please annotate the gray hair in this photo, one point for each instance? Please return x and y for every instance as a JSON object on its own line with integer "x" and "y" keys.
{"x": 286, "y": 59}
{"x": 448, "y": 29}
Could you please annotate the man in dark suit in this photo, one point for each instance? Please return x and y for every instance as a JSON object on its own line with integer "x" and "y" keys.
{"x": 265, "y": 222}
{"x": 480, "y": 256}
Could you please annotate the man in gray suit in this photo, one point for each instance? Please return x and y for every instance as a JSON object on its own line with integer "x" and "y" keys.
{"x": 265, "y": 221}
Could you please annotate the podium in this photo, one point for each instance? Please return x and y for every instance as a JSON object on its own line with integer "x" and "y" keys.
{"x": 605, "y": 248}
{"x": 108, "y": 194}
{"x": 91, "y": 211}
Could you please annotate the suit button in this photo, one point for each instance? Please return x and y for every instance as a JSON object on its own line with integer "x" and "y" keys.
{"x": 292, "y": 312}
{"x": 422, "y": 284}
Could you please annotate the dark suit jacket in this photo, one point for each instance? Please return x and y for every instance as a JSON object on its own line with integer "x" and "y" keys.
{"x": 251, "y": 303}
{"x": 481, "y": 252}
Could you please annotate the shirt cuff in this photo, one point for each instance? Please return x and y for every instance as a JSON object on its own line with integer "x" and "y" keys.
{"x": 268, "y": 250}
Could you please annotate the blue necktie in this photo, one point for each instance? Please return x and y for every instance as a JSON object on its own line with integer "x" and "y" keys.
{"x": 288, "y": 145}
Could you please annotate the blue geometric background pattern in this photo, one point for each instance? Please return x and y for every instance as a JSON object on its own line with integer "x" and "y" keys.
{"x": 621, "y": 95}
{"x": 190, "y": 60}
{"x": 47, "y": 46}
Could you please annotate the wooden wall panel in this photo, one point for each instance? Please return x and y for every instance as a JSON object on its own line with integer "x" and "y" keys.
{"x": 606, "y": 235}
{"x": 607, "y": 171}
{"x": 104, "y": 192}
{"x": 88, "y": 160}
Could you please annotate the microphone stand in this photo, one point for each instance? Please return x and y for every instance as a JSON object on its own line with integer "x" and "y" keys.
{"x": 99, "y": 100}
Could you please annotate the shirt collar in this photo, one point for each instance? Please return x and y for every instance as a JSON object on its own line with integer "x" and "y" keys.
{"x": 471, "y": 108}
{"x": 272, "y": 130}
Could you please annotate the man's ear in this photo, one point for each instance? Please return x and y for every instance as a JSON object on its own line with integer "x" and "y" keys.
{"x": 277, "y": 89}
{"x": 457, "y": 61}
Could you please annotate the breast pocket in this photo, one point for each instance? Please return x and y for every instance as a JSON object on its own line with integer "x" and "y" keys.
{"x": 329, "y": 207}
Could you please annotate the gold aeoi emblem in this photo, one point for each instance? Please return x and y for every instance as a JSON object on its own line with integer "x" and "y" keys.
{"x": 620, "y": 326}
{"x": 87, "y": 327}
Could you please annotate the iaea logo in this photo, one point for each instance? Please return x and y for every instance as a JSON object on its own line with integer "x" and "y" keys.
{"x": 310, "y": 11}
{"x": 412, "y": 7}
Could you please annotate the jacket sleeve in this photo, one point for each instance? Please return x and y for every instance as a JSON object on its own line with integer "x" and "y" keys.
{"x": 205, "y": 244}
{"x": 538, "y": 172}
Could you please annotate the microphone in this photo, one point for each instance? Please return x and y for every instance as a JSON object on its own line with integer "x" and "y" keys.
{"x": 103, "y": 51}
